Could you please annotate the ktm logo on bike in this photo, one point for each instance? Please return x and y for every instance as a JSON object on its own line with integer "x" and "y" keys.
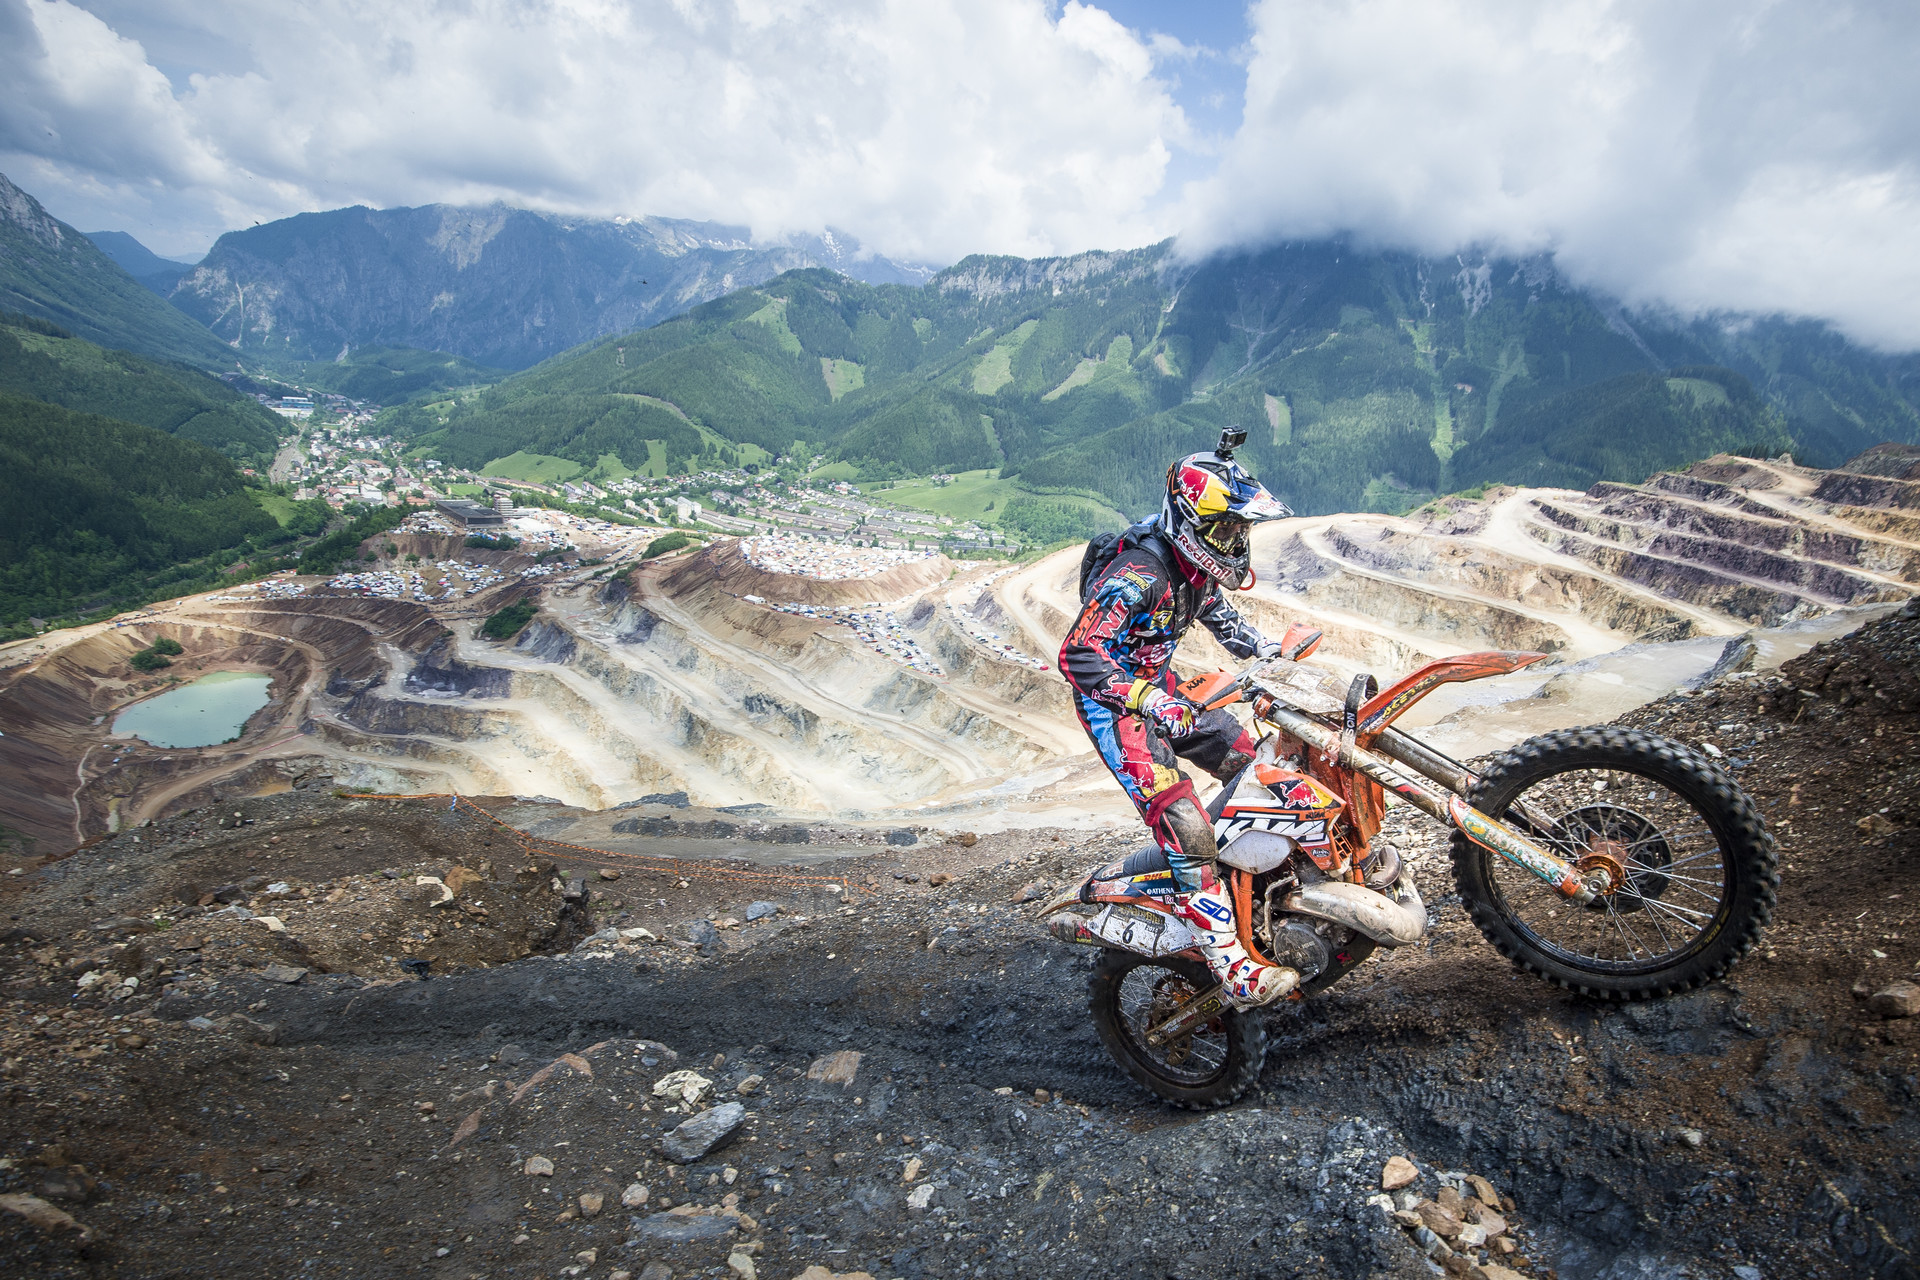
{"x": 1310, "y": 832}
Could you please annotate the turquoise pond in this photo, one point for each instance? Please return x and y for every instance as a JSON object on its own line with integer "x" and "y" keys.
{"x": 211, "y": 709}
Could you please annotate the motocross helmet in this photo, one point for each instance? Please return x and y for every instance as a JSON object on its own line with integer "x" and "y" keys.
{"x": 1211, "y": 507}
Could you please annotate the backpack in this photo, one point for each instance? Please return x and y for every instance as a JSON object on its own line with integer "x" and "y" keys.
{"x": 1104, "y": 548}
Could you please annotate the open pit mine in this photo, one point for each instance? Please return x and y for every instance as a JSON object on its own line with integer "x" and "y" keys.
{"x": 690, "y": 930}
{"x": 923, "y": 694}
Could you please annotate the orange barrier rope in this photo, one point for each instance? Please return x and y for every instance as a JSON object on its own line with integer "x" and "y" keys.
{"x": 685, "y": 869}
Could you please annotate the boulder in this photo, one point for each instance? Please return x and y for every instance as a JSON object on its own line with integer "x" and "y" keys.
{"x": 834, "y": 1073}
{"x": 687, "y": 1087}
{"x": 460, "y": 879}
{"x": 1898, "y": 1000}
{"x": 703, "y": 1133}
{"x": 1399, "y": 1172}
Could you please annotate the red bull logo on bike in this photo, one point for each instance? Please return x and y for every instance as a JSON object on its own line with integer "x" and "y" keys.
{"x": 1295, "y": 790}
{"x": 1297, "y": 795}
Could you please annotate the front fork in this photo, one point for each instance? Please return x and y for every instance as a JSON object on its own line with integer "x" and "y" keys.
{"x": 1445, "y": 806}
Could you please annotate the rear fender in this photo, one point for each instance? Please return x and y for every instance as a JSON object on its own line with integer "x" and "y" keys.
{"x": 1077, "y": 895}
{"x": 1067, "y": 897}
{"x": 1389, "y": 704}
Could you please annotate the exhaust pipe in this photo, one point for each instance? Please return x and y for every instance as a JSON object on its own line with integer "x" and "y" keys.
{"x": 1396, "y": 921}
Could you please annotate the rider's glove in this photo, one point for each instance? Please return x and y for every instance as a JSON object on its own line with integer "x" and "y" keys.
{"x": 1171, "y": 712}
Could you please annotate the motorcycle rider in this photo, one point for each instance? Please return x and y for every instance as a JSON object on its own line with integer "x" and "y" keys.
{"x": 1165, "y": 574}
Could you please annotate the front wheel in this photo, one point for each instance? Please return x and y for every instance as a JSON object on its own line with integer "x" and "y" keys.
{"x": 1216, "y": 1065}
{"x": 1694, "y": 868}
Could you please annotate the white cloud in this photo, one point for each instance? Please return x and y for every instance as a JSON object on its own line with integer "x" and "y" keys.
{"x": 1757, "y": 154}
{"x": 1741, "y": 154}
{"x": 931, "y": 128}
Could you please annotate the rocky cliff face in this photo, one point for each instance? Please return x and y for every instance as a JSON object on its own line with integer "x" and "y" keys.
{"x": 506, "y": 287}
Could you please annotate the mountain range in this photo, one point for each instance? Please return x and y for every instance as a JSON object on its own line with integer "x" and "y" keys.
{"x": 143, "y": 264}
{"x": 496, "y": 285}
{"x": 1371, "y": 379}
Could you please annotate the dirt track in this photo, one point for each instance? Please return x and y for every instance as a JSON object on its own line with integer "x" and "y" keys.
{"x": 290, "y": 1137}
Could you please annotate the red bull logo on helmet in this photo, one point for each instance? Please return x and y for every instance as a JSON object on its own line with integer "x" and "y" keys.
{"x": 1202, "y": 489}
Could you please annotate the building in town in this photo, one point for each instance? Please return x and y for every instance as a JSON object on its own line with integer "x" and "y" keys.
{"x": 471, "y": 515}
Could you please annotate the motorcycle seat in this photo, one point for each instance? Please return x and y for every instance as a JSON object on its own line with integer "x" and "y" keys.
{"x": 1145, "y": 873}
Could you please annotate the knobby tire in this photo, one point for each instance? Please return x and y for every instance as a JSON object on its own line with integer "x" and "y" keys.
{"x": 1245, "y": 1038}
{"x": 1751, "y": 862}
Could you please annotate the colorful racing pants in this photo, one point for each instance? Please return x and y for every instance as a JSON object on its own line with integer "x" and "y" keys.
{"x": 1145, "y": 762}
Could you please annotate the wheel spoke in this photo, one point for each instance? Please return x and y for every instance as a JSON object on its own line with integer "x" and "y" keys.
{"x": 1693, "y": 857}
{"x": 1710, "y": 897}
{"x": 1633, "y": 952}
{"x": 1661, "y": 873}
{"x": 1658, "y": 928}
{"x": 1684, "y": 914}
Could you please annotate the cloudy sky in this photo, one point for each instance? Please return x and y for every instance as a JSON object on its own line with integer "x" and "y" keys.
{"x": 1737, "y": 154}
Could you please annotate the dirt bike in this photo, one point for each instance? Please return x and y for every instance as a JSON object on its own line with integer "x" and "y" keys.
{"x": 1612, "y": 862}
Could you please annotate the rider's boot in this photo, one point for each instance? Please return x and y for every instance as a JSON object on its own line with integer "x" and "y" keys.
{"x": 1245, "y": 982}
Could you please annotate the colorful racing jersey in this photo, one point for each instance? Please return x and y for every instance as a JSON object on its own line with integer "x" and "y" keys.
{"x": 1137, "y": 608}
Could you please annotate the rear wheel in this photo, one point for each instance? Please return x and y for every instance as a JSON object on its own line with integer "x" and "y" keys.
{"x": 1216, "y": 1065}
{"x": 1693, "y": 865}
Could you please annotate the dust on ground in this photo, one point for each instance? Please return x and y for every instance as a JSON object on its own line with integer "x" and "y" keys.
{"x": 919, "y": 1090}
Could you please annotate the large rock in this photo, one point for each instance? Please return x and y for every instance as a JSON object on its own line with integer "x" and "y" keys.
{"x": 676, "y": 1228}
{"x": 686, "y": 1087}
{"x": 461, "y": 879}
{"x": 1399, "y": 1172}
{"x": 833, "y": 1074}
{"x": 1900, "y": 1000}
{"x": 703, "y": 1133}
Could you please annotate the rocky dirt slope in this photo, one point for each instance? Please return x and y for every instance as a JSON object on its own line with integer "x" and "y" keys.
{"x": 897, "y": 1069}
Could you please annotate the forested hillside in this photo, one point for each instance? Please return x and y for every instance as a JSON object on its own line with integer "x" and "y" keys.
{"x": 1367, "y": 380}
{"x": 41, "y": 361}
{"x": 1617, "y": 429}
{"x": 391, "y": 375}
{"x": 48, "y": 269}
{"x": 95, "y": 511}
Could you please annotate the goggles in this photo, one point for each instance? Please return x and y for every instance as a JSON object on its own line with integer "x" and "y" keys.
{"x": 1227, "y": 535}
